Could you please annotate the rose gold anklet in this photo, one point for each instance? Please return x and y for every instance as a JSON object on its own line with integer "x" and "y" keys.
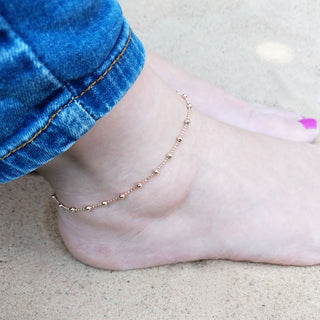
{"x": 139, "y": 185}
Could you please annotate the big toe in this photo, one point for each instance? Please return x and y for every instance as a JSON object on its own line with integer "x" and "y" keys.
{"x": 283, "y": 124}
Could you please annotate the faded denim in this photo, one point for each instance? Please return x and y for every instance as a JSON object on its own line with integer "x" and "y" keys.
{"x": 63, "y": 65}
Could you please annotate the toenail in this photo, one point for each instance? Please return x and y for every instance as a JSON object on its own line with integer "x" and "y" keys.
{"x": 309, "y": 123}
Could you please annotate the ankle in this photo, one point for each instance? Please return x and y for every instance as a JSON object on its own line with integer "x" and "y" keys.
{"x": 122, "y": 148}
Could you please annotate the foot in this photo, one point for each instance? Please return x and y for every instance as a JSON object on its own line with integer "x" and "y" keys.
{"x": 229, "y": 109}
{"x": 226, "y": 193}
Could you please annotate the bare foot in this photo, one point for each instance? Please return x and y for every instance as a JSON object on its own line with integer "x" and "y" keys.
{"x": 224, "y": 107}
{"x": 226, "y": 194}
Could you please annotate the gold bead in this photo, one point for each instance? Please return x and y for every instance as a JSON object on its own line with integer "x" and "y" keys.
{"x": 104, "y": 203}
{"x": 179, "y": 139}
{"x": 72, "y": 209}
{"x": 169, "y": 156}
{"x": 187, "y": 121}
{"x": 122, "y": 196}
{"x": 139, "y": 185}
{"x": 88, "y": 208}
{"x": 156, "y": 171}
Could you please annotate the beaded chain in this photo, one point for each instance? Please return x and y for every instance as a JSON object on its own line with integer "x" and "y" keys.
{"x": 139, "y": 185}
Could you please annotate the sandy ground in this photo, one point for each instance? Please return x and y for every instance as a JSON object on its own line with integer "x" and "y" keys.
{"x": 262, "y": 50}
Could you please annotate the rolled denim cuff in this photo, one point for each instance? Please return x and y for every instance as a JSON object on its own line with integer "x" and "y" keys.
{"x": 73, "y": 108}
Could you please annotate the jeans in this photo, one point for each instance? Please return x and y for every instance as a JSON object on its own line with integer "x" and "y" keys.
{"x": 63, "y": 65}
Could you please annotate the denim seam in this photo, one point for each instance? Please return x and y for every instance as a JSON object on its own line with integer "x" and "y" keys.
{"x": 71, "y": 100}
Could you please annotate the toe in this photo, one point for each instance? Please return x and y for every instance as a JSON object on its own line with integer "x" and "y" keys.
{"x": 284, "y": 124}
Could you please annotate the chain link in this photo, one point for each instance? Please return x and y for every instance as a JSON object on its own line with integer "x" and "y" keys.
{"x": 139, "y": 185}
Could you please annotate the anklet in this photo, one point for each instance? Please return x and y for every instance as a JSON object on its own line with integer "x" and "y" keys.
{"x": 139, "y": 185}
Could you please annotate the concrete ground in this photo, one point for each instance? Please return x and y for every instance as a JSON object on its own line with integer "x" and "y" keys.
{"x": 262, "y": 50}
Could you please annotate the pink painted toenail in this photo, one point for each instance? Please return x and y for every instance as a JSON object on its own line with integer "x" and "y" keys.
{"x": 309, "y": 123}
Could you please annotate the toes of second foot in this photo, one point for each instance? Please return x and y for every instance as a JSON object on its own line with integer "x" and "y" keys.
{"x": 284, "y": 124}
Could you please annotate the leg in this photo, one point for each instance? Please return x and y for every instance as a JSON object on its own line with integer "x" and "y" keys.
{"x": 63, "y": 92}
{"x": 56, "y": 96}
{"x": 219, "y": 197}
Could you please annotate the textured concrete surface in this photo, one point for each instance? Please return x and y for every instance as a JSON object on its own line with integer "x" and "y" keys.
{"x": 262, "y": 50}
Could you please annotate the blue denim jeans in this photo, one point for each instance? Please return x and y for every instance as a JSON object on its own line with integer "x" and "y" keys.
{"x": 63, "y": 65}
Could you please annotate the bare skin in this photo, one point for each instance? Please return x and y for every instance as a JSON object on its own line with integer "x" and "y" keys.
{"x": 226, "y": 194}
{"x": 224, "y": 107}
